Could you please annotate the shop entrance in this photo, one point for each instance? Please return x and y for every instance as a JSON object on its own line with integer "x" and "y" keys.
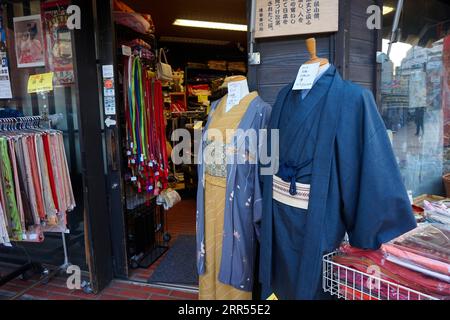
{"x": 38, "y": 48}
{"x": 160, "y": 244}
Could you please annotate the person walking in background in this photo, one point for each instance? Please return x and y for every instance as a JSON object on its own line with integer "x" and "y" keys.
{"x": 419, "y": 118}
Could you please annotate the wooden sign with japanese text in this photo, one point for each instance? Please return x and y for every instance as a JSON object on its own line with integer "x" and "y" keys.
{"x": 275, "y": 18}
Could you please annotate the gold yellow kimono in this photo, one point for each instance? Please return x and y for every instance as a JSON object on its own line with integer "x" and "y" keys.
{"x": 215, "y": 192}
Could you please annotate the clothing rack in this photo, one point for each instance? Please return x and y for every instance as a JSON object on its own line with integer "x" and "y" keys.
{"x": 147, "y": 164}
{"x": 17, "y": 124}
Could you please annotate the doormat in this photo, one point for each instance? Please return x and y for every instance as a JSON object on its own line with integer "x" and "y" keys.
{"x": 179, "y": 266}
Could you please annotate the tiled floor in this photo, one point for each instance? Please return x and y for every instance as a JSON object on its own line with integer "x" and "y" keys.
{"x": 56, "y": 289}
{"x": 181, "y": 221}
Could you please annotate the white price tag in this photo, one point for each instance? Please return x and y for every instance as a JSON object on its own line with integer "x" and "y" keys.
{"x": 306, "y": 76}
{"x": 108, "y": 71}
{"x": 133, "y": 179}
{"x": 236, "y": 91}
{"x": 33, "y": 237}
{"x": 126, "y": 51}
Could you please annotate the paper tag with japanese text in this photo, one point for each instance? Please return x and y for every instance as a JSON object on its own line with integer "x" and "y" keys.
{"x": 236, "y": 91}
{"x": 306, "y": 76}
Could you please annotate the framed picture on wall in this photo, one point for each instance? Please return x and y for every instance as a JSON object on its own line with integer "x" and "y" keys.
{"x": 58, "y": 41}
{"x": 29, "y": 41}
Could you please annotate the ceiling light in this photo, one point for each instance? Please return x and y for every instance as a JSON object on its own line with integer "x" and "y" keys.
{"x": 210, "y": 25}
{"x": 194, "y": 41}
{"x": 387, "y": 10}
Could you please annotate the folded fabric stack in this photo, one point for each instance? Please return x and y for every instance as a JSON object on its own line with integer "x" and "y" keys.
{"x": 124, "y": 15}
{"x": 141, "y": 48}
{"x": 197, "y": 65}
{"x": 217, "y": 65}
{"x": 199, "y": 90}
{"x": 237, "y": 66}
{"x": 419, "y": 260}
{"x": 437, "y": 212}
{"x": 431, "y": 241}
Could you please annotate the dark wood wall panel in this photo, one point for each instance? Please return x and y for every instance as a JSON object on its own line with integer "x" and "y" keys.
{"x": 362, "y": 46}
{"x": 353, "y": 50}
{"x": 280, "y": 61}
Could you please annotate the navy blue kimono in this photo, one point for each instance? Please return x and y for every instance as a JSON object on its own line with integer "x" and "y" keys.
{"x": 334, "y": 141}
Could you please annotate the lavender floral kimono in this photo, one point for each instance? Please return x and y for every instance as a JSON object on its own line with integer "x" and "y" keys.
{"x": 243, "y": 206}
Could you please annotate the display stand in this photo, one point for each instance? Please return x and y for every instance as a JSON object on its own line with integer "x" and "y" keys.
{"x": 147, "y": 231}
{"x": 363, "y": 286}
{"x": 12, "y": 124}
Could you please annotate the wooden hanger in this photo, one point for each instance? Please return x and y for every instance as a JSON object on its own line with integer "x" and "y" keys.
{"x": 312, "y": 49}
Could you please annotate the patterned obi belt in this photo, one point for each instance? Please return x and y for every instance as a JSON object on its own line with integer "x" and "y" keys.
{"x": 216, "y": 159}
{"x": 287, "y": 190}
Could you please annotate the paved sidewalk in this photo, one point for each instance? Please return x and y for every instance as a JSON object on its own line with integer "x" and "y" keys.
{"x": 56, "y": 289}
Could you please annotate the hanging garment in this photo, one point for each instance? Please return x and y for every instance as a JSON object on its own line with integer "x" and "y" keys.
{"x": 145, "y": 129}
{"x": 29, "y": 180}
{"x": 242, "y": 207}
{"x": 48, "y": 158}
{"x": 23, "y": 186}
{"x": 4, "y": 237}
{"x": 12, "y": 212}
{"x": 57, "y": 172}
{"x": 334, "y": 153}
{"x": 64, "y": 167}
{"x": 215, "y": 193}
{"x": 36, "y": 175}
{"x": 15, "y": 174}
{"x": 50, "y": 208}
{"x": 35, "y": 186}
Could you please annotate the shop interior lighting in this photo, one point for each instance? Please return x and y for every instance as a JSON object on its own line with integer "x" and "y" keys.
{"x": 210, "y": 25}
{"x": 194, "y": 41}
{"x": 387, "y": 10}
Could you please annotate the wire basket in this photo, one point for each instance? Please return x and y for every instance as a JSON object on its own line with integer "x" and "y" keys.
{"x": 351, "y": 284}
